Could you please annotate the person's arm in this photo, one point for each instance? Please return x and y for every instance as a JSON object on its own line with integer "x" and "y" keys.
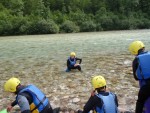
{"x": 68, "y": 63}
{"x": 134, "y": 67}
{"x": 9, "y": 107}
{"x": 91, "y": 103}
{"x": 23, "y": 104}
{"x": 80, "y": 60}
{"x": 14, "y": 103}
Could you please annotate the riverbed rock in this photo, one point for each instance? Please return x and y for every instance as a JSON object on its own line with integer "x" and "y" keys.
{"x": 127, "y": 62}
{"x": 72, "y": 90}
{"x": 76, "y": 100}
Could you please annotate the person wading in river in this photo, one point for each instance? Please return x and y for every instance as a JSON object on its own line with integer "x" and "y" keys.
{"x": 71, "y": 62}
{"x": 141, "y": 72}
{"x": 101, "y": 101}
{"x": 29, "y": 98}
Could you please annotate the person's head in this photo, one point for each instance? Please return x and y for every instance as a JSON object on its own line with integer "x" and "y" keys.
{"x": 11, "y": 85}
{"x": 72, "y": 55}
{"x": 136, "y": 47}
{"x": 99, "y": 83}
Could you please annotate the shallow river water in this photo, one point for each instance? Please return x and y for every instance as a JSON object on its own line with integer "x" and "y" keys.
{"x": 41, "y": 60}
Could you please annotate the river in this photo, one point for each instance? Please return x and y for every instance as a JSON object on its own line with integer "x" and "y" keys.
{"x": 41, "y": 60}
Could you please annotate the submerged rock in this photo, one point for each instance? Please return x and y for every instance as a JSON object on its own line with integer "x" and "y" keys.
{"x": 127, "y": 62}
{"x": 71, "y": 91}
{"x": 76, "y": 100}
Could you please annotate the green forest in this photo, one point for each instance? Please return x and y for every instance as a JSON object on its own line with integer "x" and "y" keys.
{"x": 21, "y": 17}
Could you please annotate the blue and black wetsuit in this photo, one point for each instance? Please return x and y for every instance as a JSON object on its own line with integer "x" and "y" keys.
{"x": 96, "y": 102}
{"x": 144, "y": 92}
{"x": 72, "y": 62}
{"x": 25, "y": 100}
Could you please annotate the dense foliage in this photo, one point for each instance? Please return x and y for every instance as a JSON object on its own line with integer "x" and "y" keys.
{"x": 54, "y": 16}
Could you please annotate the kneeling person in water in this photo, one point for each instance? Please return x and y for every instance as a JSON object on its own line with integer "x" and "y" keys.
{"x": 29, "y": 98}
{"x": 71, "y": 62}
{"x": 101, "y": 101}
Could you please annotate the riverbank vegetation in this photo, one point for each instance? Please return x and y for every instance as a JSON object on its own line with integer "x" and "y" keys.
{"x": 18, "y": 17}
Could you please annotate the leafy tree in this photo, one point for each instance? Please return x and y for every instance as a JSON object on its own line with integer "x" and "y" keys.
{"x": 145, "y": 6}
{"x": 26, "y": 16}
{"x": 88, "y": 26}
{"x": 5, "y": 24}
{"x": 15, "y": 6}
{"x": 69, "y": 27}
{"x": 34, "y": 7}
{"x": 43, "y": 27}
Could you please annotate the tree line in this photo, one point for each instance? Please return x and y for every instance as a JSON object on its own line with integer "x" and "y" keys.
{"x": 18, "y": 17}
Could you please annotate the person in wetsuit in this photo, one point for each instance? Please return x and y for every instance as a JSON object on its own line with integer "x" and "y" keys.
{"x": 101, "y": 101}
{"x": 72, "y": 62}
{"x": 141, "y": 73}
{"x": 29, "y": 98}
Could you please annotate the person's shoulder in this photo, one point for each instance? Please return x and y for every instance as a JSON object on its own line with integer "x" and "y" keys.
{"x": 25, "y": 94}
{"x": 96, "y": 98}
{"x": 135, "y": 59}
{"x": 112, "y": 93}
{"x": 20, "y": 97}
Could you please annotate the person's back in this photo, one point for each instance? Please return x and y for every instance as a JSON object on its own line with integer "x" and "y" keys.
{"x": 141, "y": 72}
{"x": 29, "y": 98}
{"x": 109, "y": 103}
{"x": 101, "y": 101}
{"x": 36, "y": 99}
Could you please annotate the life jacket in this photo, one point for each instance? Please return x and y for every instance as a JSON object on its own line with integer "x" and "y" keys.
{"x": 109, "y": 104}
{"x": 143, "y": 70}
{"x": 143, "y": 73}
{"x": 39, "y": 99}
{"x": 72, "y": 62}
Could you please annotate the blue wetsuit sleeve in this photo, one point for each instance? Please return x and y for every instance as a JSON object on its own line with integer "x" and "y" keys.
{"x": 23, "y": 104}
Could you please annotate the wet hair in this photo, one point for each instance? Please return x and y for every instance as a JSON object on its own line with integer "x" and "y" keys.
{"x": 100, "y": 89}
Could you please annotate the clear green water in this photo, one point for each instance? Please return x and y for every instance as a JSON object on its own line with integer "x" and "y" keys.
{"x": 41, "y": 60}
{"x": 60, "y": 45}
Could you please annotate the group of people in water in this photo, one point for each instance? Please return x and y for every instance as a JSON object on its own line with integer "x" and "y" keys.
{"x": 32, "y": 100}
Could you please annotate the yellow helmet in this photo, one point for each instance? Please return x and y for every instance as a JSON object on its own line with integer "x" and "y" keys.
{"x": 98, "y": 81}
{"x": 73, "y": 54}
{"x": 11, "y": 84}
{"x": 135, "y": 47}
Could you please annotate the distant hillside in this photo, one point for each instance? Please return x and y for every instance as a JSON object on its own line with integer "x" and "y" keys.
{"x": 56, "y": 16}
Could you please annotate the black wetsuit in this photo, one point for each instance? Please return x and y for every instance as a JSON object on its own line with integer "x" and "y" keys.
{"x": 25, "y": 99}
{"x": 69, "y": 66}
{"x": 144, "y": 92}
{"x": 95, "y": 101}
